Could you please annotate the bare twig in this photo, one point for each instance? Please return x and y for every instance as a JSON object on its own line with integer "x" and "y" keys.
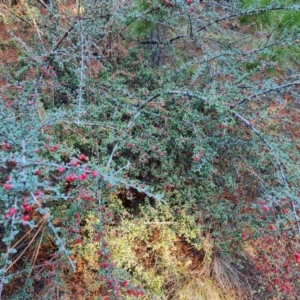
{"x": 61, "y": 243}
{"x": 81, "y": 83}
{"x": 14, "y": 14}
{"x": 247, "y": 12}
{"x": 130, "y": 124}
{"x": 278, "y": 162}
{"x": 187, "y": 94}
{"x": 27, "y": 246}
{"x": 6, "y": 256}
{"x": 42, "y": 3}
{"x": 139, "y": 109}
{"x": 273, "y": 89}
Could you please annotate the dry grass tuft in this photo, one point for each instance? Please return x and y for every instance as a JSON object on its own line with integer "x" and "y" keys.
{"x": 214, "y": 277}
{"x": 230, "y": 279}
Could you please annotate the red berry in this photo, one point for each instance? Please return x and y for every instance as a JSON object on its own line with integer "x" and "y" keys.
{"x": 82, "y": 176}
{"x": 38, "y": 193}
{"x": 8, "y": 186}
{"x": 61, "y": 169}
{"x": 26, "y": 218}
{"x": 272, "y": 227}
{"x": 104, "y": 265}
{"x": 12, "y": 211}
{"x": 38, "y": 173}
{"x": 265, "y": 208}
{"x": 27, "y": 207}
{"x": 124, "y": 283}
{"x": 94, "y": 173}
{"x": 71, "y": 178}
{"x": 74, "y": 163}
{"x": 83, "y": 157}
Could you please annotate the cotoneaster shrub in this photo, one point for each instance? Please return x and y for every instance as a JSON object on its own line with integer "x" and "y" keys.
{"x": 118, "y": 115}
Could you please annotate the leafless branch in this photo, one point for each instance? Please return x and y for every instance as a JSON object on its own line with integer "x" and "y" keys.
{"x": 273, "y": 89}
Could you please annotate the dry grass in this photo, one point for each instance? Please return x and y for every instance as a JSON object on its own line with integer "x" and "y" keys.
{"x": 216, "y": 279}
{"x": 191, "y": 274}
{"x": 230, "y": 279}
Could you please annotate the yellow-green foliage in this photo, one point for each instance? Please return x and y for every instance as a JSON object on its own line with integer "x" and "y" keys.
{"x": 89, "y": 247}
{"x": 144, "y": 249}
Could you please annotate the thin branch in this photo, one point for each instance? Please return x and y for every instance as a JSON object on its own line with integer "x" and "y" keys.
{"x": 112, "y": 154}
{"x": 273, "y": 89}
{"x": 222, "y": 5}
{"x": 159, "y": 223}
{"x": 27, "y": 233}
{"x": 187, "y": 94}
{"x": 134, "y": 19}
{"x": 64, "y": 37}
{"x": 139, "y": 109}
{"x": 130, "y": 124}
{"x": 14, "y": 14}
{"x": 38, "y": 33}
{"x": 42, "y": 3}
{"x": 27, "y": 246}
{"x": 61, "y": 243}
{"x": 278, "y": 162}
{"x": 6, "y": 257}
{"x": 249, "y": 12}
{"x": 81, "y": 83}
{"x": 24, "y": 168}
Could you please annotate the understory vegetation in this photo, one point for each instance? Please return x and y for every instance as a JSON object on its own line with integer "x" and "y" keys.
{"x": 149, "y": 149}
